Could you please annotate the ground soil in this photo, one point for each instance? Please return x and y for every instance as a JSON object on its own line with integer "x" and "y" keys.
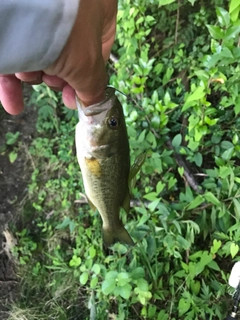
{"x": 14, "y": 179}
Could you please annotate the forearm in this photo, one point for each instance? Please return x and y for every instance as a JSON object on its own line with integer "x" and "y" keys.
{"x": 33, "y": 33}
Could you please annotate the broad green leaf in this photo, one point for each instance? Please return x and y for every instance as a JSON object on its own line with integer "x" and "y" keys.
{"x": 93, "y": 282}
{"x": 226, "y": 144}
{"x": 153, "y": 205}
{"x": 198, "y": 94}
{"x": 232, "y": 32}
{"x": 213, "y": 265}
{"x": 216, "y": 246}
{"x": 96, "y": 268}
{"x": 224, "y": 172}
{"x": 108, "y": 286}
{"x": 228, "y": 154}
{"x": 177, "y": 140}
{"x": 122, "y": 279}
{"x": 151, "y": 196}
{"x": 165, "y": 2}
{"x": 160, "y": 187}
{"x": 12, "y": 156}
{"x": 183, "y": 306}
{"x": 215, "y": 31}
{"x": 181, "y": 171}
{"x": 142, "y": 284}
{"x": 112, "y": 275}
{"x": 223, "y": 17}
{"x": 198, "y": 159}
{"x": 84, "y": 278}
{"x": 235, "y": 139}
{"x": 137, "y": 273}
{"x": 210, "y": 197}
{"x": 11, "y": 137}
{"x": 235, "y": 13}
{"x": 196, "y": 202}
{"x": 233, "y": 5}
{"x": 195, "y": 286}
{"x": 236, "y": 208}
{"x": 234, "y": 248}
{"x": 125, "y": 291}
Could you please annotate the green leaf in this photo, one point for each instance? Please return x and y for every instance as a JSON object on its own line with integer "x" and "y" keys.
{"x": 234, "y": 248}
{"x": 153, "y": 205}
{"x": 233, "y": 5}
{"x": 181, "y": 171}
{"x": 137, "y": 273}
{"x": 234, "y": 14}
{"x": 122, "y": 279}
{"x": 226, "y": 144}
{"x": 96, "y": 268}
{"x": 11, "y": 137}
{"x": 160, "y": 187}
{"x": 236, "y": 208}
{"x": 215, "y": 31}
{"x": 177, "y": 140}
{"x": 224, "y": 172}
{"x": 64, "y": 224}
{"x": 142, "y": 284}
{"x": 12, "y": 156}
{"x": 84, "y": 278}
{"x": 93, "y": 282}
{"x": 183, "y": 306}
{"x": 108, "y": 286}
{"x": 75, "y": 261}
{"x": 216, "y": 246}
{"x": 228, "y": 154}
{"x": 125, "y": 291}
{"x": 213, "y": 265}
{"x": 223, "y": 17}
{"x": 112, "y": 275}
{"x": 196, "y": 202}
{"x": 232, "y": 32}
{"x": 198, "y": 159}
{"x": 199, "y": 93}
{"x": 210, "y": 197}
{"x": 165, "y": 2}
{"x": 151, "y": 196}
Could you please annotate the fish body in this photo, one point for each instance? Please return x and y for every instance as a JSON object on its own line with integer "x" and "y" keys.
{"x": 103, "y": 155}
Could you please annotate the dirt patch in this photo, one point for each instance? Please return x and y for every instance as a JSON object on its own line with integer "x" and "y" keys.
{"x": 14, "y": 179}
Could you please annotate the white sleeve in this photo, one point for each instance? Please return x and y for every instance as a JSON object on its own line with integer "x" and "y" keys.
{"x": 33, "y": 32}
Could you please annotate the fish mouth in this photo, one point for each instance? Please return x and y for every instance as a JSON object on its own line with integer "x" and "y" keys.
{"x": 100, "y": 107}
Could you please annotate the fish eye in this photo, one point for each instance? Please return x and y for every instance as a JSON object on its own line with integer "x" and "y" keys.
{"x": 113, "y": 123}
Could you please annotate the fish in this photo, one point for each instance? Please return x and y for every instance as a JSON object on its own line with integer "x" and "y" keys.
{"x": 103, "y": 155}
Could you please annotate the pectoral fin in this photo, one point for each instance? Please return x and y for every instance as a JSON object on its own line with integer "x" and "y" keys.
{"x": 126, "y": 203}
{"x": 135, "y": 169}
{"x": 92, "y": 206}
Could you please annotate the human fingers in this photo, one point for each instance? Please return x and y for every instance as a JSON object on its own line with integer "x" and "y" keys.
{"x": 69, "y": 97}
{"x": 81, "y": 63}
{"x": 11, "y": 94}
{"x": 53, "y": 82}
{"x": 32, "y": 78}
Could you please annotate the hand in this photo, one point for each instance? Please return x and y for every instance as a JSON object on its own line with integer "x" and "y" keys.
{"x": 80, "y": 68}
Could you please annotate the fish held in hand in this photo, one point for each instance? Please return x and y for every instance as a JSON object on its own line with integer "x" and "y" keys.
{"x": 103, "y": 155}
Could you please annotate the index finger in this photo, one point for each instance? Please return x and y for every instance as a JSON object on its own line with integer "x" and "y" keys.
{"x": 11, "y": 94}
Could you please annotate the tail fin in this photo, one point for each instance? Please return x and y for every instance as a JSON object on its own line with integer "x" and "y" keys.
{"x": 119, "y": 235}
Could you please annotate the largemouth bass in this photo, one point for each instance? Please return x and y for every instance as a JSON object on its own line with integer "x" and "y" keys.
{"x": 103, "y": 155}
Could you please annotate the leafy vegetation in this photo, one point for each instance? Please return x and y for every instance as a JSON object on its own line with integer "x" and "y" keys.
{"x": 178, "y": 64}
